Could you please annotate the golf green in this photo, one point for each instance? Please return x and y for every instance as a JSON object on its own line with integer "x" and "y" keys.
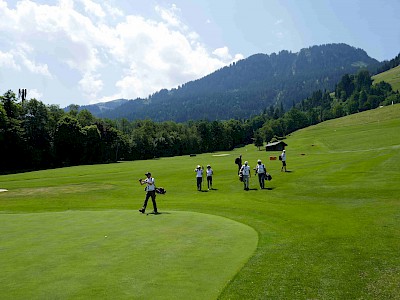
{"x": 119, "y": 254}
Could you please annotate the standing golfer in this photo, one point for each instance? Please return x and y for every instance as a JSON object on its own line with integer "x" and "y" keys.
{"x": 246, "y": 175}
{"x": 209, "y": 173}
{"x": 150, "y": 192}
{"x": 199, "y": 177}
{"x": 283, "y": 156}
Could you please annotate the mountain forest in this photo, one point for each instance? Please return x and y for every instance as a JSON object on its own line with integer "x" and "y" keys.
{"x": 37, "y": 136}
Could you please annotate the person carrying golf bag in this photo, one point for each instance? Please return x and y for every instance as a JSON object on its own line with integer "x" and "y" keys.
{"x": 150, "y": 192}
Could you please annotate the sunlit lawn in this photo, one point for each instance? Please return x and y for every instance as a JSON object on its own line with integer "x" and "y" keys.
{"x": 328, "y": 229}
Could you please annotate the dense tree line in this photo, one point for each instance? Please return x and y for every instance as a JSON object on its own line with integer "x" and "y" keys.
{"x": 35, "y": 136}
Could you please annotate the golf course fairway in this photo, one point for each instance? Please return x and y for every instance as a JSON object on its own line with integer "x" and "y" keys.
{"x": 329, "y": 228}
{"x": 120, "y": 255}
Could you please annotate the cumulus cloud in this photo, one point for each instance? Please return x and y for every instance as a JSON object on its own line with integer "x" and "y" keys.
{"x": 7, "y": 61}
{"x": 34, "y": 93}
{"x": 90, "y": 38}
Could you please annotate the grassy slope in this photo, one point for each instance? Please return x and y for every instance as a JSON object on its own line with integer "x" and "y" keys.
{"x": 329, "y": 229}
{"x": 391, "y": 76}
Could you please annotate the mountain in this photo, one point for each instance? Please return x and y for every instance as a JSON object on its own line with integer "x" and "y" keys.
{"x": 249, "y": 86}
{"x": 102, "y": 107}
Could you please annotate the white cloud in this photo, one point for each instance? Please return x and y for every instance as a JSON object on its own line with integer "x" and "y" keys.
{"x": 7, "y": 61}
{"x": 90, "y": 84}
{"x": 223, "y": 53}
{"x": 169, "y": 15}
{"x": 34, "y": 93}
{"x": 113, "y": 54}
{"x": 94, "y": 8}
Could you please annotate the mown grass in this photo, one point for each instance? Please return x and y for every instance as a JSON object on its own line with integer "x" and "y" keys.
{"x": 328, "y": 229}
{"x": 115, "y": 255}
{"x": 391, "y": 76}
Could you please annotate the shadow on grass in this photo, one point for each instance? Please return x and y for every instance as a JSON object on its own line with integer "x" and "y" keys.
{"x": 158, "y": 213}
{"x": 269, "y": 188}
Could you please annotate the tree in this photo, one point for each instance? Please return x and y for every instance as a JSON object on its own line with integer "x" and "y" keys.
{"x": 13, "y": 145}
{"x": 37, "y": 134}
{"x": 68, "y": 141}
{"x": 85, "y": 118}
{"x": 296, "y": 119}
{"x": 91, "y": 144}
{"x": 258, "y": 140}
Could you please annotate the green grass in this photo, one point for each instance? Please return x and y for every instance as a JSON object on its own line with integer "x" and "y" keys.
{"x": 391, "y": 76}
{"x": 115, "y": 254}
{"x": 329, "y": 229}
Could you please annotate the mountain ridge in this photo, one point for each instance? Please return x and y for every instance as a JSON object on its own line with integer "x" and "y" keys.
{"x": 247, "y": 87}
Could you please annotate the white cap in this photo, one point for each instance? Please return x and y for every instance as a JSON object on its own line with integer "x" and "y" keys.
{"x": 246, "y": 162}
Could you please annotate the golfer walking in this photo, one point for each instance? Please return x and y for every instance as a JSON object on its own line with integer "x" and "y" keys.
{"x": 246, "y": 175}
{"x": 261, "y": 171}
{"x": 209, "y": 173}
{"x": 283, "y": 156}
{"x": 150, "y": 192}
{"x": 199, "y": 177}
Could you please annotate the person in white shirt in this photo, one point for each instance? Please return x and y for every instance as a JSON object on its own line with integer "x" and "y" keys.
{"x": 261, "y": 171}
{"x": 283, "y": 156}
{"x": 150, "y": 192}
{"x": 209, "y": 173}
{"x": 246, "y": 175}
{"x": 199, "y": 176}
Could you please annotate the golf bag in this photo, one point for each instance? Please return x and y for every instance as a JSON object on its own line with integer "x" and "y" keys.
{"x": 160, "y": 190}
{"x": 241, "y": 176}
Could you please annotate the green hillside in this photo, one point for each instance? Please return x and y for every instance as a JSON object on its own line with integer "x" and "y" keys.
{"x": 391, "y": 76}
{"x": 327, "y": 229}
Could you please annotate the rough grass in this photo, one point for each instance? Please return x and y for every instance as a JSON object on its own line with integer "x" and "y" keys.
{"x": 328, "y": 229}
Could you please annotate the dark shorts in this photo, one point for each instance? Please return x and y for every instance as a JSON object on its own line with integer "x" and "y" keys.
{"x": 284, "y": 163}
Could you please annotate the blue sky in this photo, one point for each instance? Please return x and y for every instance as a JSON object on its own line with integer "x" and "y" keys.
{"x": 88, "y": 51}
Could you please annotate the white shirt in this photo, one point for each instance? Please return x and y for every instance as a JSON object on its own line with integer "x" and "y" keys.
{"x": 261, "y": 169}
{"x": 150, "y": 184}
{"x": 283, "y": 155}
{"x": 246, "y": 170}
{"x": 199, "y": 172}
{"x": 209, "y": 172}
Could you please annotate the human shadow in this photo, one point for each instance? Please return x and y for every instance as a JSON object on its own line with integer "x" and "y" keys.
{"x": 158, "y": 213}
{"x": 269, "y": 188}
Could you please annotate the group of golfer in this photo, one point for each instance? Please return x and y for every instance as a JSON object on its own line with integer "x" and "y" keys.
{"x": 244, "y": 172}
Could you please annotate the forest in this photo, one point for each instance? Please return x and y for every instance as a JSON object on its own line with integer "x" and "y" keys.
{"x": 36, "y": 136}
{"x": 243, "y": 89}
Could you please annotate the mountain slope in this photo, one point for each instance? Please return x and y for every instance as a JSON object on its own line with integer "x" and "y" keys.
{"x": 99, "y": 108}
{"x": 391, "y": 76}
{"x": 249, "y": 86}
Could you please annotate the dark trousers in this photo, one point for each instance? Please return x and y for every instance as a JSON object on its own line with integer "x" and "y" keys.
{"x": 199, "y": 181}
{"x": 209, "y": 181}
{"x": 261, "y": 180}
{"x": 151, "y": 194}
